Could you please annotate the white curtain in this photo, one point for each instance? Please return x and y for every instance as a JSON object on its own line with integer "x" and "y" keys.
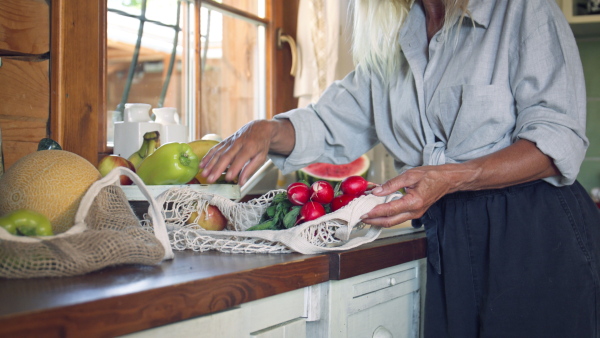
{"x": 324, "y": 38}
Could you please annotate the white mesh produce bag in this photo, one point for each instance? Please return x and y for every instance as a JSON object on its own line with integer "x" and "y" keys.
{"x": 332, "y": 232}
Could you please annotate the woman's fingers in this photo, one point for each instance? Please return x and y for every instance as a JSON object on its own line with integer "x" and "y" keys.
{"x": 395, "y": 212}
{"x": 424, "y": 186}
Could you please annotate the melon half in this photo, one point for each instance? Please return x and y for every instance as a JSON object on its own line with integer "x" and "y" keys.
{"x": 334, "y": 173}
{"x": 51, "y": 182}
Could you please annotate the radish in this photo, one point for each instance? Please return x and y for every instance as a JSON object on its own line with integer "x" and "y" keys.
{"x": 322, "y": 192}
{"x": 355, "y": 185}
{"x": 298, "y": 193}
{"x": 310, "y": 211}
{"x": 341, "y": 201}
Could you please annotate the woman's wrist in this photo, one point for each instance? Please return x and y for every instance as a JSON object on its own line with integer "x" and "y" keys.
{"x": 461, "y": 176}
{"x": 283, "y": 136}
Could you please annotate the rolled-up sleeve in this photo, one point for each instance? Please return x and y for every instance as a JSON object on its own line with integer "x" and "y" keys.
{"x": 337, "y": 129}
{"x": 549, "y": 90}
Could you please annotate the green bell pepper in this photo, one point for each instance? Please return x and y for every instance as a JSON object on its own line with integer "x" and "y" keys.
{"x": 24, "y": 222}
{"x": 171, "y": 163}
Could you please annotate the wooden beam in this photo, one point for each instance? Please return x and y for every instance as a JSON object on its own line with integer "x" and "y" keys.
{"x": 77, "y": 85}
{"x": 280, "y": 84}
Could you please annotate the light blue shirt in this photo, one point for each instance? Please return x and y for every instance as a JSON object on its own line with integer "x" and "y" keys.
{"x": 512, "y": 72}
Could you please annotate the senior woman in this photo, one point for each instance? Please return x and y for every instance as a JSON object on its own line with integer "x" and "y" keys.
{"x": 482, "y": 105}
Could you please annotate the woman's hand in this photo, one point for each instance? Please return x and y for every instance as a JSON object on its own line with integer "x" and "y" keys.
{"x": 423, "y": 186}
{"x": 245, "y": 151}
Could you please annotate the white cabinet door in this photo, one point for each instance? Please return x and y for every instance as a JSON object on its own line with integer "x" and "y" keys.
{"x": 393, "y": 318}
{"x": 384, "y": 303}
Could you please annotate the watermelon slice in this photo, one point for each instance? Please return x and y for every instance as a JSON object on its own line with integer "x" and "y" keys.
{"x": 334, "y": 173}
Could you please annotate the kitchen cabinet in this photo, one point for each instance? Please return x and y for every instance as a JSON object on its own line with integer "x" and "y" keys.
{"x": 383, "y": 303}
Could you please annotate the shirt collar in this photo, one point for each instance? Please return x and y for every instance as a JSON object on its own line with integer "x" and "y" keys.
{"x": 480, "y": 11}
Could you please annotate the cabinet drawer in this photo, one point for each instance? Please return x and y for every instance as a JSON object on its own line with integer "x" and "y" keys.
{"x": 383, "y": 282}
{"x": 277, "y": 316}
{"x": 293, "y": 329}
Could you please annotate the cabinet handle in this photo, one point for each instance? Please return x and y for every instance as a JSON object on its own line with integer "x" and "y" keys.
{"x": 382, "y": 332}
{"x": 281, "y": 38}
{"x": 393, "y": 281}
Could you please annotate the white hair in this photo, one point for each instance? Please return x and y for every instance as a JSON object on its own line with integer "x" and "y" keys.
{"x": 377, "y": 24}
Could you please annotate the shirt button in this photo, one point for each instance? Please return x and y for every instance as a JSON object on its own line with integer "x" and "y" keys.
{"x": 438, "y": 38}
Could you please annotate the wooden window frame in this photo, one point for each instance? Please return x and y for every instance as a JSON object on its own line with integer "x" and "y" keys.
{"x": 78, "y": 71}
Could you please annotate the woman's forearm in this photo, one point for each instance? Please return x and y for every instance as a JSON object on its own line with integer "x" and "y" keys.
{"x": 520, "y": 162}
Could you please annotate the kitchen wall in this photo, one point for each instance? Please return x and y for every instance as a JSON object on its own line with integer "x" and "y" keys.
{"x": 589, "y": 49}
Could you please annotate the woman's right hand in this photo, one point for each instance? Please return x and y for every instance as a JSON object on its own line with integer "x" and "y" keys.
{"x": 246, "y": 150}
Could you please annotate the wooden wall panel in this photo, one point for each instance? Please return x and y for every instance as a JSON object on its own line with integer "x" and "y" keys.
{"x": 24, "y": 107}
{"x": 24, "y": 85}
{"x": 25, "y": 26}
{"x": 24, "y": 90}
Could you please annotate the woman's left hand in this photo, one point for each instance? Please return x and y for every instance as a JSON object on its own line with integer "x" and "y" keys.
{"x": 423, "y": 186}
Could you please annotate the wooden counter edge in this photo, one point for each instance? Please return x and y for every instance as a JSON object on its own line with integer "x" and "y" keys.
{"x": 156, "y": 307}
{"x": 377, "y": 255}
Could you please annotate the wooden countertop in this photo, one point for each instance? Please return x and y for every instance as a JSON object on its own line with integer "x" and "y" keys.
{"x": 125, "y": 299}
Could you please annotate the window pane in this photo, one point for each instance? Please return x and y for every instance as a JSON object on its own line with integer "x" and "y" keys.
{"x": 161, "y": 72}
{"x": 233, "y": 63}
{"x": 164, "y": 11}
{"x": 133, "y": 7}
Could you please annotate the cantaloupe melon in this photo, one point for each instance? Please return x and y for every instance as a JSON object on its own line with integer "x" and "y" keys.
{"x": 51, "y": 182}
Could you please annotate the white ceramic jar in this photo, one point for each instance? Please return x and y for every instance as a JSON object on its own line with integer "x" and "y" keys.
{"x": 171, "y": 130}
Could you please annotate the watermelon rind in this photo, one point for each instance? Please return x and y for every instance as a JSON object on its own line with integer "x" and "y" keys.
{"x": 309, "y": 175}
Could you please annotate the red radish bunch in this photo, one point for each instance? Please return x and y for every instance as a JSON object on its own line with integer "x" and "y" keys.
{"x": 318, "y": 199}
{"x": 310, "y": 211}
{"x": 322, "y": 192}
{"x": 298, "y": 193}
{"x": 341, "y": 201}
{"x": 355, "y": 185}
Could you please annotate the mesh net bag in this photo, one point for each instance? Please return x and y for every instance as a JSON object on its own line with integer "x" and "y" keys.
{"x": 335, "y": 231}
{"x": 106, "y": 233}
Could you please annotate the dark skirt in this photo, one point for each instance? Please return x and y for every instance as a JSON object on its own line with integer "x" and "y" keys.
{"x": 522, "y": 261}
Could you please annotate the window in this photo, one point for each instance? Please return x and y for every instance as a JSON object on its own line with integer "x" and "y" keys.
{"x": 233, "y": 67}
{"x": 218, "y": 80}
